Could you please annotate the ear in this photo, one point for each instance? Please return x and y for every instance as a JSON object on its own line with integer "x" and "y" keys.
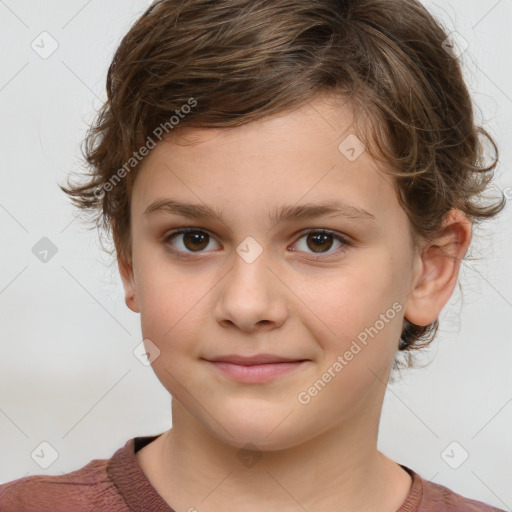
{"x": 130, "y": 289}
{"x": 440, "y": 264}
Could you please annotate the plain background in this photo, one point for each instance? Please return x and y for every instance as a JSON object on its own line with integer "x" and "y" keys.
{"x": 67, "y": 372}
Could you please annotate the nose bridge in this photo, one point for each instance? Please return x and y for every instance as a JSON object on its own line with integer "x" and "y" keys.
{"x": 250, "y": 264}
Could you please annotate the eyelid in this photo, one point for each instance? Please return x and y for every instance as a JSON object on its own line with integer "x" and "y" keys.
{"x": 342, "y": 237}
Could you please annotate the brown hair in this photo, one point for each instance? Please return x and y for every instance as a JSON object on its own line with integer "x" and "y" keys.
{"x": 242, "y": 60}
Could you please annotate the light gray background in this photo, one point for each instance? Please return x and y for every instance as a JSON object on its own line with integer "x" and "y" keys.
{"x": 67, "y": 372}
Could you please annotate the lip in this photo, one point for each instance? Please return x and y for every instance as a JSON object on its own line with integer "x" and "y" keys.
{"x": 255, "y": 369}
{"x": 257, "y": 359}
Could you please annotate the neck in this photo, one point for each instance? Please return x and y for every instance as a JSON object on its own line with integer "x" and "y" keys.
{"x": 192, "y": 469}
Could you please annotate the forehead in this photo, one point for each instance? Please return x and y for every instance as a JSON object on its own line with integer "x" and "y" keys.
{"x": 307, "y": 154}
{"x": 321, "y": 120}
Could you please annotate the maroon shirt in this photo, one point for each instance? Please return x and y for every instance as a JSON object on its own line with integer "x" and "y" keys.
{"x": 118, "y": 484}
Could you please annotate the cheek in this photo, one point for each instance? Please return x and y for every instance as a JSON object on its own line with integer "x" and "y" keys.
{"x": 360, "y": 309}
{"x": 172, "y": 318}
{"x": 170, "y": 312}
{"x": 175, "y": 308}
{"x": 357, "y": 358}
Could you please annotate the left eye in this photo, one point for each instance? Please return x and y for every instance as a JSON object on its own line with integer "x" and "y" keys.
{"x": 319, "y": 241}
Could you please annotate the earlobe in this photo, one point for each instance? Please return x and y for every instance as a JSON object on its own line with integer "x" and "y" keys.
{"x": 130, "y": 290}
{"x": 440, "y": 265}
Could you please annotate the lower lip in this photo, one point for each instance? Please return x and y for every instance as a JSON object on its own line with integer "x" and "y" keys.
{"x": 256, "y": 373}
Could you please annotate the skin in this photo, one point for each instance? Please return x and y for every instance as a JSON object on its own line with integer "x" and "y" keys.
{"x": 322, "y": 455}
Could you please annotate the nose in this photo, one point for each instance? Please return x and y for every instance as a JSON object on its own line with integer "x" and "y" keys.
{"x": 251, "y": 296}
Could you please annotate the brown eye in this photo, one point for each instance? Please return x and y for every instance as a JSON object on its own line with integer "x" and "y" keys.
{"x": 189, "y": 240}
{"x": 321, "y": 241}
{"x": 195, "y": 241}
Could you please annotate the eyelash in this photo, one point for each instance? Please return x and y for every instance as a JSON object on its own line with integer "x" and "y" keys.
{"x": 185, "y": 255}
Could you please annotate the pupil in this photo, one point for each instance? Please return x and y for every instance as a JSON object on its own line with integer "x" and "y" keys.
{"x": 195, "y": 238}
{"x": 321, "y": 238}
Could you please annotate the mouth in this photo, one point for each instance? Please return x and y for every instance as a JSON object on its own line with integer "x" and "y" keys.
{"x": 255, "y": 369}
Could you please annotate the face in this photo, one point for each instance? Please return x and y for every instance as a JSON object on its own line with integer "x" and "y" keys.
{"x": 325, "y": 287}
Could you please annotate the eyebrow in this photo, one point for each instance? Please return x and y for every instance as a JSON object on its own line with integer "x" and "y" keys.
{"x": 282, "y": 214}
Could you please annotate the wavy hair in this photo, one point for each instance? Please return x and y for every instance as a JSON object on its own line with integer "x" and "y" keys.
{"x": 242, "y": 60}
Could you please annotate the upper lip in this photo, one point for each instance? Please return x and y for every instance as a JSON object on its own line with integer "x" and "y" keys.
{"x": 252, "y": 360}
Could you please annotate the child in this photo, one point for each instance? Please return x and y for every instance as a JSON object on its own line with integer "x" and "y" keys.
{"x": 322, "y": 157}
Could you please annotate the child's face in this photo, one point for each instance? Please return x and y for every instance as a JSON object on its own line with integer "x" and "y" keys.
{"x": 207, "y": 299}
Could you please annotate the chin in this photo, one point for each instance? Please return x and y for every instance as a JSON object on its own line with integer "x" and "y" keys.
{"x": 258, "y": 430}
{"x": 257, "y": 440}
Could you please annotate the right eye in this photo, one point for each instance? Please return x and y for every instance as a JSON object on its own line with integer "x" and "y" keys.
{"x": 189, "y": 240}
